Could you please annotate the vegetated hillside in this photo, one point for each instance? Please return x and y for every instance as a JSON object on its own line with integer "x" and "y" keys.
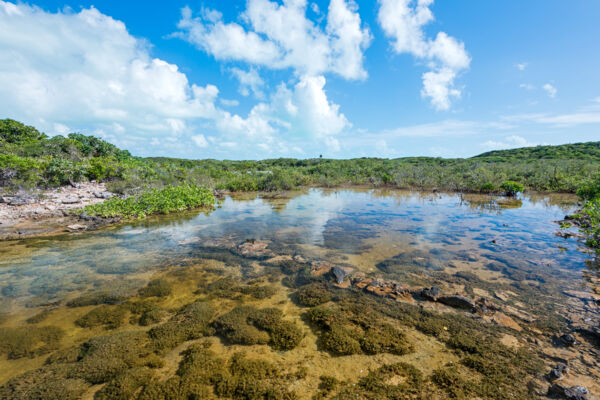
{"x": 578, "y": 151}
{"x": 29, "y": 159}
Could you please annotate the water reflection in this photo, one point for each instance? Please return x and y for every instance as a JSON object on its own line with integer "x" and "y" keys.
{"x": 361, "y": 226}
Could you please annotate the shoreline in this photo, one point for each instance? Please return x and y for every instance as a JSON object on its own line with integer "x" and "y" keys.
{"x": 50, "y": 212}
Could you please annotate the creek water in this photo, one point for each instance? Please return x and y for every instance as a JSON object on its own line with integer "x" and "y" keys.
{"x": 482, "y": 247}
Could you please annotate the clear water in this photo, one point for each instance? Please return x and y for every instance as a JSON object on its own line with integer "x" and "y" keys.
{"x": 480, "y": 246}
{"x": 362, "y": 227}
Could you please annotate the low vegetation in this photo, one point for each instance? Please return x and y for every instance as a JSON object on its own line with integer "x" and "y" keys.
{"x": 29, "y": 159}
{"x": 156, "y": 201}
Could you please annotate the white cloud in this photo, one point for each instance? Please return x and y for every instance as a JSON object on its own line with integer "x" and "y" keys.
{"x": 348, "y": 40}
{"x": 550, "y": 90}
{"x": 510, "y": 142}
{"x": 527, "y": 86}
{"x": 250, "y": 82}
{"x": 229, "y": 102}
{"x": 521, "y": 66}
{"x": 200, "y": 141}
{"x": 85, "y": 72}
{"x": 403, "y": 22}
{"x": 281, "y": 36}
{"x": 85, "y": 68}
{"x": 302, "y": 111}
{"x": 445, "y": 128}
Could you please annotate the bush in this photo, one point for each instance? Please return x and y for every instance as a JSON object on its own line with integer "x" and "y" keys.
{"x": 12, "y": 131}
{"x": 156, "y": 201}
{"x": 590, "y": 190}
{"x": 512, "y": 188}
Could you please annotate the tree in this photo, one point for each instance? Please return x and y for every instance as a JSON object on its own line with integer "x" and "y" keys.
{"x": 12, "y": 131}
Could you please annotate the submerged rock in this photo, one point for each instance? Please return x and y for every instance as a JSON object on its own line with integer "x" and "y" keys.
{"x": 320, "y": 267}
{"x": 572, "y": 393}
{"x": 339, "y": 274}
{"x": 567, "y": 340}
{"x": 558, "y": 372}
{"x": 431, "y": 293}
{"x": 457, "y": 302}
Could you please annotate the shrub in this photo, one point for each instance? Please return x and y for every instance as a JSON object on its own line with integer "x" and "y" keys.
{"x": 13, "y": 131}
{"x": 156, "y": 201}
{"x": 512, "y": 188}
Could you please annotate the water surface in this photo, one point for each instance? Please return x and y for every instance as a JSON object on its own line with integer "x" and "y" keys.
{"x": 505, "y": 250}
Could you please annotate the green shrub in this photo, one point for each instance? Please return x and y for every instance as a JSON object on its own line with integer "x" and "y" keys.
{"x": 512, "y": 188}
{"x": 156, "y": 201}
{"x": 12, "y": 131}
{"x": 590, "y": 190}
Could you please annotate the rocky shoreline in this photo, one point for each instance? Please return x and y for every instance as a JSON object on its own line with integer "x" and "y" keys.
{"x": 50, "y": 212}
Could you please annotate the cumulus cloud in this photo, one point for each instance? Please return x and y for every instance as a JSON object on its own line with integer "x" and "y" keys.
{"x": 280, "y": 36}
{"x": 86, "y": 72}
{"x": 250, "y": 82}
{"x": 510, "y": 142}
{"x": 403, "y": 22}
{"x": 200, "y": 141}
{"x": 300, "y": 111}
{"x": 550, "y": 90}
{"x": 86, "y": 68}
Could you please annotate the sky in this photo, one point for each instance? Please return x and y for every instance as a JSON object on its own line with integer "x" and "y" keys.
{"x": 256, "y": 79}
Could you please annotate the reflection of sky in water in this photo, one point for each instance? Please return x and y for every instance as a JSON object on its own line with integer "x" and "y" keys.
{"x": 37, "y": 270}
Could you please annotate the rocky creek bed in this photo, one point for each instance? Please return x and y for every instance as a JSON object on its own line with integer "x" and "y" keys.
{"x": 262, "y": 299}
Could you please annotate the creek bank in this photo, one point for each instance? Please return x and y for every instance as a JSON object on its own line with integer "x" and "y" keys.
{"x": 26, "y": 215}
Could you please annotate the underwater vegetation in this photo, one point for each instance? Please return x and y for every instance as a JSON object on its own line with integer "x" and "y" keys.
{"x": 248, "y": 325}
{"x": 29, "y": 341}
{"x": 347, "y": 330}
{"x": 111, "y": 317}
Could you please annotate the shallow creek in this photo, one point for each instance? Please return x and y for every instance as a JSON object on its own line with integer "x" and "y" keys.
{"x": 308, "y": 294}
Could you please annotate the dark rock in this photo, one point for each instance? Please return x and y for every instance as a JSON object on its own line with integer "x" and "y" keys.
{"x": 103, "y": 195}
{"x": 71, "y": 200}
{"x": 431, "y": 293}
{"x": 19, "y": 201}
{"x": 572, "y": 393}
{"x": 339, "y": 274}
{"x": 85, "y": 216}
{"x": 558, "y": 372}
{"x": 457, "y": 301}
{"x": 567, "y": 339}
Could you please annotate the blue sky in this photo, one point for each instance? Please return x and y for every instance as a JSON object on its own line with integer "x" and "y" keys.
{"x": 263, "y": 79}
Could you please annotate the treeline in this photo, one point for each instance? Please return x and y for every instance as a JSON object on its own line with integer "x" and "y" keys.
{"x": 29, "y": 159}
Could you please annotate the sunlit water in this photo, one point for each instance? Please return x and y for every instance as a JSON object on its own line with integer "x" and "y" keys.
{"x": 351, "y": 223}
{"x": 476, "y": 245}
